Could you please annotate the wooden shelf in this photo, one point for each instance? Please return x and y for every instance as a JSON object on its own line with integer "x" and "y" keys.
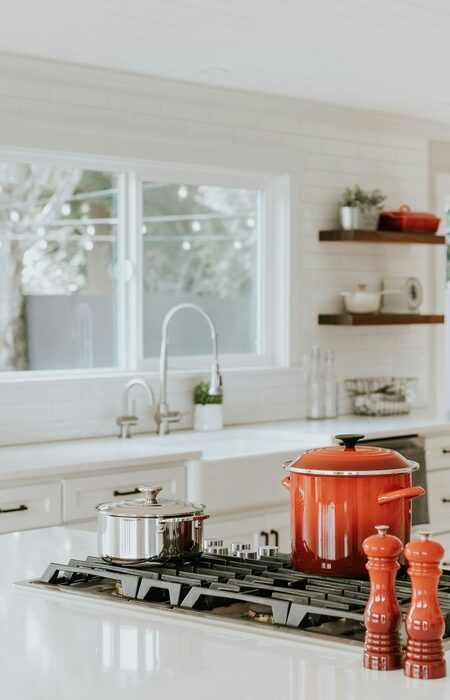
{"x": 382, "y": 237}
{"x": 378, "y": 319}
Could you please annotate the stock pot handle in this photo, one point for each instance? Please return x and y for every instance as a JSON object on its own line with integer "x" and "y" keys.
{"x": 286, "y": 481}
{"x": 410, "y": 492}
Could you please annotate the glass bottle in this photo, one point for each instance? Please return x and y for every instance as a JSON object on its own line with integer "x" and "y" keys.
{"x": 314, "y": 386}
{"x": 330, "y": 387}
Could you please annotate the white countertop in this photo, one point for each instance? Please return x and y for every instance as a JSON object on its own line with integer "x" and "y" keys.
{"x": 53, "y": 646}
{"x": 79, "y": 456}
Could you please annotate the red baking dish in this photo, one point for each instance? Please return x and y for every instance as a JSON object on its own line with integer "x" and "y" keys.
{"x": 406, "y": 220}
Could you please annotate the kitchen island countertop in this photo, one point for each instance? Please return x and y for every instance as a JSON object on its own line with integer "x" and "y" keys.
{"x": 53, "y": 646}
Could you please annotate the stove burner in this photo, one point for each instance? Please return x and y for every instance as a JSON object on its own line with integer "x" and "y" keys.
{"x": 263, "y": 591}
{"x": 260, "y": 613}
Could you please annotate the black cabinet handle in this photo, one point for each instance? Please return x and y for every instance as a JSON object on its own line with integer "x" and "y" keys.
{"x": 276, "y": 536}
{"x": 446, "y": 500}
{"x": 445, "y": 452}
{"x": 13, "y": 510}
{"x": 264, "y": 534}
{"x": 126, "y": 493}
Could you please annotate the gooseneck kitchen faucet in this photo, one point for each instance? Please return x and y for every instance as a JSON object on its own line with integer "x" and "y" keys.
{"x": 164, "y": 417}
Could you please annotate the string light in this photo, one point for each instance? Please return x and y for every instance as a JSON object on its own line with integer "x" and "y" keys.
{"x": 183, "y": 192}
{"x": 237, "y": 245}
{"x": 85, "y": 208}
{"x": 43, "y": 245}
{"x": 196, "y": 226}
{"x": 40, "y": 231}
{"x": 66, "y": 209}
{"x": 250, "y": 223}
{"x": 88, "y": 245}
{"x": 186, "y": 245}
{"x": 14, "y": 215}
{"x": 143, "y": 229}
{"x": 90, "y": 230}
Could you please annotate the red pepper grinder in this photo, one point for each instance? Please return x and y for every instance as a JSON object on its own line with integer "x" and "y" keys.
{"x": 425, "y": 624}
{"x": 382, "y": 616}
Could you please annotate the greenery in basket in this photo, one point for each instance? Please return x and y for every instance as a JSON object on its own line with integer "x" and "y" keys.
{"x": 363, "y": 199}
{"x": 202, "y": 396}
{"x": 388, "y": 390}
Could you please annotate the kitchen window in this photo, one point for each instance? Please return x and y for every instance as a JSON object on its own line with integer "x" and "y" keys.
{"x": 58, "y": 249}
{"x": 201, "y": 244}
{"x": 92, "y": 259}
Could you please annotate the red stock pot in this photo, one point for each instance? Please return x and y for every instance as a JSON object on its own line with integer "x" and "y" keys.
{"x": 338, "y": 495}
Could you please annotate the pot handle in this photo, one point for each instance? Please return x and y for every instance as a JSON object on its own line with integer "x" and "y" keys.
{"x": 198, "y": 518}
{"x": 410, "y": 492}
{"x": 286, "y": 481}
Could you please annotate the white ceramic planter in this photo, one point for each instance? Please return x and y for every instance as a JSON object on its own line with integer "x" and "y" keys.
{"x": 348, "y": 218}
{"x": 208, "y": 416}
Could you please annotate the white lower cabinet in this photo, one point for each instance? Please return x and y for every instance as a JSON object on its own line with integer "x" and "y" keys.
{"x": 30, "y": 506}
{"x": 81, "y": 494}
{"x": 256, "y": 529}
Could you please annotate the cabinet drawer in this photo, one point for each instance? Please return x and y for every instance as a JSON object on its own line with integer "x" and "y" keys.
{"x": 438, "y": 487}
{"x": 438, "y": 452}
{"x": 80, "y": 495}
{"x": 27, "y": 507}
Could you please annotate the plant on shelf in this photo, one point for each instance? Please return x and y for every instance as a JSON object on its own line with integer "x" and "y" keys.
{"x": 361, "y": 208}
{"x": 208, "y": 412}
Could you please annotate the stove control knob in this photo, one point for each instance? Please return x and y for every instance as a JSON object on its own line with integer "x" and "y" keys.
{"x": 223, "y": 551}
{"x": 267, "y": 551}
{"x": 240, "y": 547}
{"x": 246, "y": 554}
{"x": 212, "y": 543}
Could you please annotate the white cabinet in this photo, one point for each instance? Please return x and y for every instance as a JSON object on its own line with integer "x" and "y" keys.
{"x": 81, "y": 494}
{"x": 437, "y": 451}
{"x": 258, "y": 528}
{"x": 30, "y": 506}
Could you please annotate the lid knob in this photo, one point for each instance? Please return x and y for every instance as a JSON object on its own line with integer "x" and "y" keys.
{"x": 150, "y": 493}
{"x": 349, "y": 441}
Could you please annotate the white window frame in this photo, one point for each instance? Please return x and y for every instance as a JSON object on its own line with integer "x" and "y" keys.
{"x": 271, "y": 249}
{"x": 273, "y": 274}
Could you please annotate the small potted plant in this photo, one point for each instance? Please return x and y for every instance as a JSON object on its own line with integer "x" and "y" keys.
{"x": 360, "y": 209}
{"x": 208, "y": 411}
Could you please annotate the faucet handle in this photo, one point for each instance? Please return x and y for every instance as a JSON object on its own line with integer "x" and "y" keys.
{"x": 125, "y": 423}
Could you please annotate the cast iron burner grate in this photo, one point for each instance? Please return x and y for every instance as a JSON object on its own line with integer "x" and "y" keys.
{"x": 266, "y": 590}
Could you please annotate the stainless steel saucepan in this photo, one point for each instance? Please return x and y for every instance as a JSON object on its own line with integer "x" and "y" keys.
{"x": 149, "y": 528}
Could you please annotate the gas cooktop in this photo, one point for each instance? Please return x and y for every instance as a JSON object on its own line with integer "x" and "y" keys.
{"x": 266, "y": 591}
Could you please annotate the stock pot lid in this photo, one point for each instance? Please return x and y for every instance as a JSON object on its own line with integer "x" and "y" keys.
{"x": 150, "y": 506}
{"x": 350, "y": 457}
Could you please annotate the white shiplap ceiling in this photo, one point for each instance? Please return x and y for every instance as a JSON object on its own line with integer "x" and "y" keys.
{"x": 389, "y": 55}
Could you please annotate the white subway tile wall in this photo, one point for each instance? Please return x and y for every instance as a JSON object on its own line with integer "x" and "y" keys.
{"x": 49, "y": 106}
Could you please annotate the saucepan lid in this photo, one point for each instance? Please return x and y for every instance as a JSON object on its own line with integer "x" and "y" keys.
{"x": 150, "y": 506}
{"x": 351, "y": 459}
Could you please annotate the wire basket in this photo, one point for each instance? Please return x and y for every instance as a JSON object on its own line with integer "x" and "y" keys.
{"x": 381, "y": 396}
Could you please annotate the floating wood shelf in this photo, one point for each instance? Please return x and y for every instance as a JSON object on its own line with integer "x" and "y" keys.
{"x": 382, "y": 237}
{"x": 378, "y": 319}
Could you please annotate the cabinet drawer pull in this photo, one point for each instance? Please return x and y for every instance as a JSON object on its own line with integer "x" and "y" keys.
{"x": 445, "y": 451}
{"x": 446, "y": 500}
{"x": 265, "y": 535}
{"x": 126, "y": 493}
{"x": 276, "y": 536}
{"x": 13, "y": 510}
